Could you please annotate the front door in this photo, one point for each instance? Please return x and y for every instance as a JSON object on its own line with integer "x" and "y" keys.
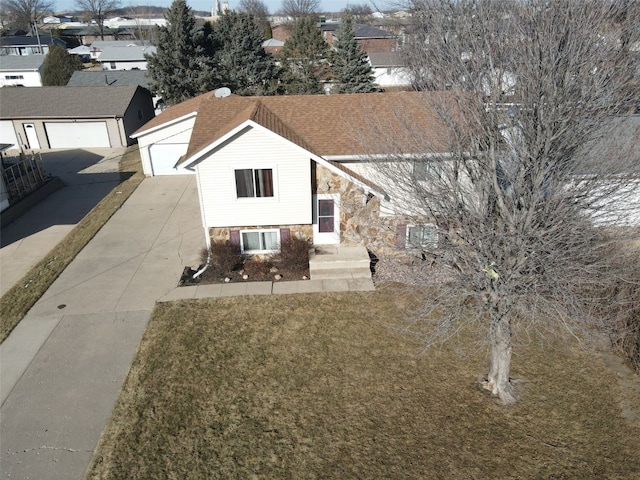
{"x": 326, "y": 219}
{"x": 32, "y": 136}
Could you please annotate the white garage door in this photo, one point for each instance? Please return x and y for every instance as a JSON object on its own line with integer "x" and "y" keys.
{"x": 164, "y": 157}
{"x": 77, "y": 134}
{"x": 8, "y": 134}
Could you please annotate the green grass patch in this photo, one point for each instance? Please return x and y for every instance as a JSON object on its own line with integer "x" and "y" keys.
{"x": 17, "y": 301}
{"x": 325, "y": 386}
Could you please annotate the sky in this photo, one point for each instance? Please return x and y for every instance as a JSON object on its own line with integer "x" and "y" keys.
{"x": 206, "y": 5}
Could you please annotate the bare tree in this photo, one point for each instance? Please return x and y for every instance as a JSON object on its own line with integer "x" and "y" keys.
{"x": 257, "y": 8}
{"x": 360, "y": 11}
{"x": 98, "y": 10}
{"x": 532, "y": 195}
{"x": 299, "y": 8}
{"x": 24, "y": 13}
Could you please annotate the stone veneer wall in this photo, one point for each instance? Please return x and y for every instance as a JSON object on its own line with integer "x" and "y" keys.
{"x": 360, "y": 219}
{"x": 222, "y": 234}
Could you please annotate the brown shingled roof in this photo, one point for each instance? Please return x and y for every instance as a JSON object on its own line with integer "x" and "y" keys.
{"x": 328, "y": 125}
{"x": 175, "y": 112}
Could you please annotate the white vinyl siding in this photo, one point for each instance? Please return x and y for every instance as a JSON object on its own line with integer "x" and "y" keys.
{"x": 77, "y": 134}
{"x": 151, "y": 144}
{"x": 255, "y": 149}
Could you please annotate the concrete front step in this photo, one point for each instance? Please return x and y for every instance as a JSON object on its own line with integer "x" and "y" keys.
{"x": 337, "y": 262}
{"x": 339, "y": 273}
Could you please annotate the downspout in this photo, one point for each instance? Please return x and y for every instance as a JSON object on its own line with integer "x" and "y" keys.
{"x": 206, "y": 265}
{"x": 206, "y": 232}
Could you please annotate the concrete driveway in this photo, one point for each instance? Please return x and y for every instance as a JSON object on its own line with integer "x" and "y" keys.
{"x": 61, "y": 369}
{"x": 88, "y": 175}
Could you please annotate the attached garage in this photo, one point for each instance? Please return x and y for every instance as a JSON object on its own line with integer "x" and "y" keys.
{"x": 165, "y": 156}
{"x": 77, "y": 134}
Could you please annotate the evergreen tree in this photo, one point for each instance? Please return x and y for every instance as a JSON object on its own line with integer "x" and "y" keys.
{"x": 58, "y": 66}
{"x": 245, "y": 67}
{"x": 183, "y": 66}
{"x": 304, "y": 59}
{"x": 350, "y": 65}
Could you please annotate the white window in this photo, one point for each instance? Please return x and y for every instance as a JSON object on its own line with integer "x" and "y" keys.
{"x": 260, "y": 241}
{"x": 419, "y": 236}
{"x": 425, "y": 169}
{"x": 254, "y": 182}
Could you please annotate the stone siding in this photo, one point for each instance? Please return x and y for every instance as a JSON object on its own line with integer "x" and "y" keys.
{"x": 222, "y": 234}
{"x": 360, "y": 219}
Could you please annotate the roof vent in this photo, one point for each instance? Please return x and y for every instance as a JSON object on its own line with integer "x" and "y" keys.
{"x": 222, "y": 92}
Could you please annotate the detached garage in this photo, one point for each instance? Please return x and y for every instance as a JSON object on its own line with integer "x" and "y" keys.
{"x": 73, "y": 117}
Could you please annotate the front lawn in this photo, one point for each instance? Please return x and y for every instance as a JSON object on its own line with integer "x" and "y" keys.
{"x": 325, "y": 386}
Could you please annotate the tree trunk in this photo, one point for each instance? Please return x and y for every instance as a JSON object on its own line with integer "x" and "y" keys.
{"x": 498, "y": 381}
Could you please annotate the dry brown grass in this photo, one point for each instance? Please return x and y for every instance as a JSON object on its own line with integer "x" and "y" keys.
{"x": 17, "y": 301}
{"x": 325, "y": 386}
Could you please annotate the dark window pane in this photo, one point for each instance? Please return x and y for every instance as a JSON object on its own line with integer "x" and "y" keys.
{"x": 325, "y": 224}
{"x": 325, "y": 207}
{"x": 264, "y": 183}
{"x": 244, "y": 183}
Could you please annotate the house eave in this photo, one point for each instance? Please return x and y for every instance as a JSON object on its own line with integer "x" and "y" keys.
{"x": 164, "y": 125}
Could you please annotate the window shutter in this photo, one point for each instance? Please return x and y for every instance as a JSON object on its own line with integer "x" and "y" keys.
{"x": 285, "y": 235}
{"x": 401, "y": 235}
{"x": 234, "y": 238}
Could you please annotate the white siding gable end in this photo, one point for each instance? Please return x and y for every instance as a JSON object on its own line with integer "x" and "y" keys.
{"x": 254, "y": 147}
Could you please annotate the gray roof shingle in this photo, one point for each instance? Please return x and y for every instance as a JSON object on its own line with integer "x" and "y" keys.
{"x": 65, "y": 102}
{"x": 109, "y": 77}
{"x": 20, "y": 62}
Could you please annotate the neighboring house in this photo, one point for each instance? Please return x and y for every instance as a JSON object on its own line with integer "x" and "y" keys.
{"x": 389, "y": 69}
{"x": 131, "y": 57}
{"x": 85, "y": 78}
{"x": 83, "y": 52}
{"x": 268, "y": 168}
{"x": 72, "y": 117}
{"x": 38, "y": 45}
{"x": 272, "y": 46}
{"x": 371, "y": 39}
{"x": 99, "y": 46}
{"x": 21, "y": 70}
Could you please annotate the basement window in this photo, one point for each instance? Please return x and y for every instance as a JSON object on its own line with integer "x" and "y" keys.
{"x": 260, "y": 241}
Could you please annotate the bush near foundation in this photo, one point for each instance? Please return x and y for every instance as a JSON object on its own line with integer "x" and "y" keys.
{"x": 225, "y": 257}
{"x": 294, "y": 254}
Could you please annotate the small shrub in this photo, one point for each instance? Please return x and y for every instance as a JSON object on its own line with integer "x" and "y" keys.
{"x": 256, "y": 268}
{"x": 225, "y": 256}
{"x": 294, "y": 254}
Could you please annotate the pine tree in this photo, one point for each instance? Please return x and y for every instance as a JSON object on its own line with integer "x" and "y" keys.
{"x": 183, "y": 66}
{"x": 350, "y": 65}
{"x": 245, "y": 67}
{"x": 58, "y": 66}
{"x": 304, "y": 59}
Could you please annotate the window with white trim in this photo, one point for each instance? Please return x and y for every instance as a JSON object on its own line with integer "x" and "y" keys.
{"x": 260, "y": 241}
{"x": 14, "y": 77}
{"x": 419, "y": 236}
{"x": 426, "y": 169}
{"x": 252, "y": 183}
